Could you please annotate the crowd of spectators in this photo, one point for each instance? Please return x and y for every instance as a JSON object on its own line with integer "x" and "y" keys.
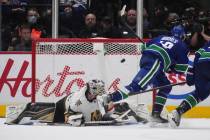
{"x": 25, "y": 20}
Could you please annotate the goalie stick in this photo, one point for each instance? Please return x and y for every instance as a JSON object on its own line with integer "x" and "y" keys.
{"x": 156, "y": 88}
{"x": 112, "y": 122}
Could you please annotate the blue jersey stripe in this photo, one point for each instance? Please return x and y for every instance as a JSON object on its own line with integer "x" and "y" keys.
{"x": 182, "y": 96}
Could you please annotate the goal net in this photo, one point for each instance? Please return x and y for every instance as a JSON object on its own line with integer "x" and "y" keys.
{"x": 62, "y": 66}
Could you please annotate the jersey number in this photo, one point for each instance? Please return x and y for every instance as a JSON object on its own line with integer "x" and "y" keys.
{"x": 166, "y": 45}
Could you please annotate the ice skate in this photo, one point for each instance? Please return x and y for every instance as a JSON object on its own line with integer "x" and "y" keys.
{"x": 174, "y": 119}
{"x": 157, "y": 121}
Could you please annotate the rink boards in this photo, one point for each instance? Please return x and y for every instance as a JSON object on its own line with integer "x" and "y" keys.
{"x": 58, "y": 75}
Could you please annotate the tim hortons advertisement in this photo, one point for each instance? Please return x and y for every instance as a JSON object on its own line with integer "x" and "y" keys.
{"x": 60, "y": 75}
{"x": 15, "y": 78}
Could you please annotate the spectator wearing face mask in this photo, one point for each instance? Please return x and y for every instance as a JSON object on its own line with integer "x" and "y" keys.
{"x": 33, "y": 19}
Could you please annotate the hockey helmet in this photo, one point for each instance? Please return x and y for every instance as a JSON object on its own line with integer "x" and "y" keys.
{"x": 96, "y": 87}
{"x": 178, "y": 32}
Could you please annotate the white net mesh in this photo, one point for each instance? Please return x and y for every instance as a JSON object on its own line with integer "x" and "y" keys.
{"x": 87, "y": 48}
{"x": 64, "y": 48}
{"x": 122, "y": 48}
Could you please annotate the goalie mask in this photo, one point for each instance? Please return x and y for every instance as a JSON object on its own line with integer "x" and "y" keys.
{"x": 96, "y": 87}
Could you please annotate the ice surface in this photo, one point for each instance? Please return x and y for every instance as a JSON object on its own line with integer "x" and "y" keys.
{"x": 190, "y": 129}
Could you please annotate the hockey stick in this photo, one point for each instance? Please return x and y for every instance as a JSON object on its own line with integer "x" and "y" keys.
{"x": 113, "y": 122}
{"x": 116, "y": 121}
{"x": 156, "y": 88}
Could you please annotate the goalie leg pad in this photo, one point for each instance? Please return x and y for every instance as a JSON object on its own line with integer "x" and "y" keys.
{"x": 42, "y": 112}
{"x": 122, "y": 107}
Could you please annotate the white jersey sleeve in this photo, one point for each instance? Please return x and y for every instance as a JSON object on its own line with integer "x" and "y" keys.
{"x": 77, "y": 102}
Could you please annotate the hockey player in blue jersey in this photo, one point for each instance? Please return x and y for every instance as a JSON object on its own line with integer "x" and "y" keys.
{"x": 198, "y": 76}
{"x": 160, "y": 55}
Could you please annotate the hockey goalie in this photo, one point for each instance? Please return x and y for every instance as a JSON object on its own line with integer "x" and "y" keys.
{"x": 87, "y": 106}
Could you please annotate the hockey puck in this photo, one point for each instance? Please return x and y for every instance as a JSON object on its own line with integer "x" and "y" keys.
{"x": 123, "y": 60}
